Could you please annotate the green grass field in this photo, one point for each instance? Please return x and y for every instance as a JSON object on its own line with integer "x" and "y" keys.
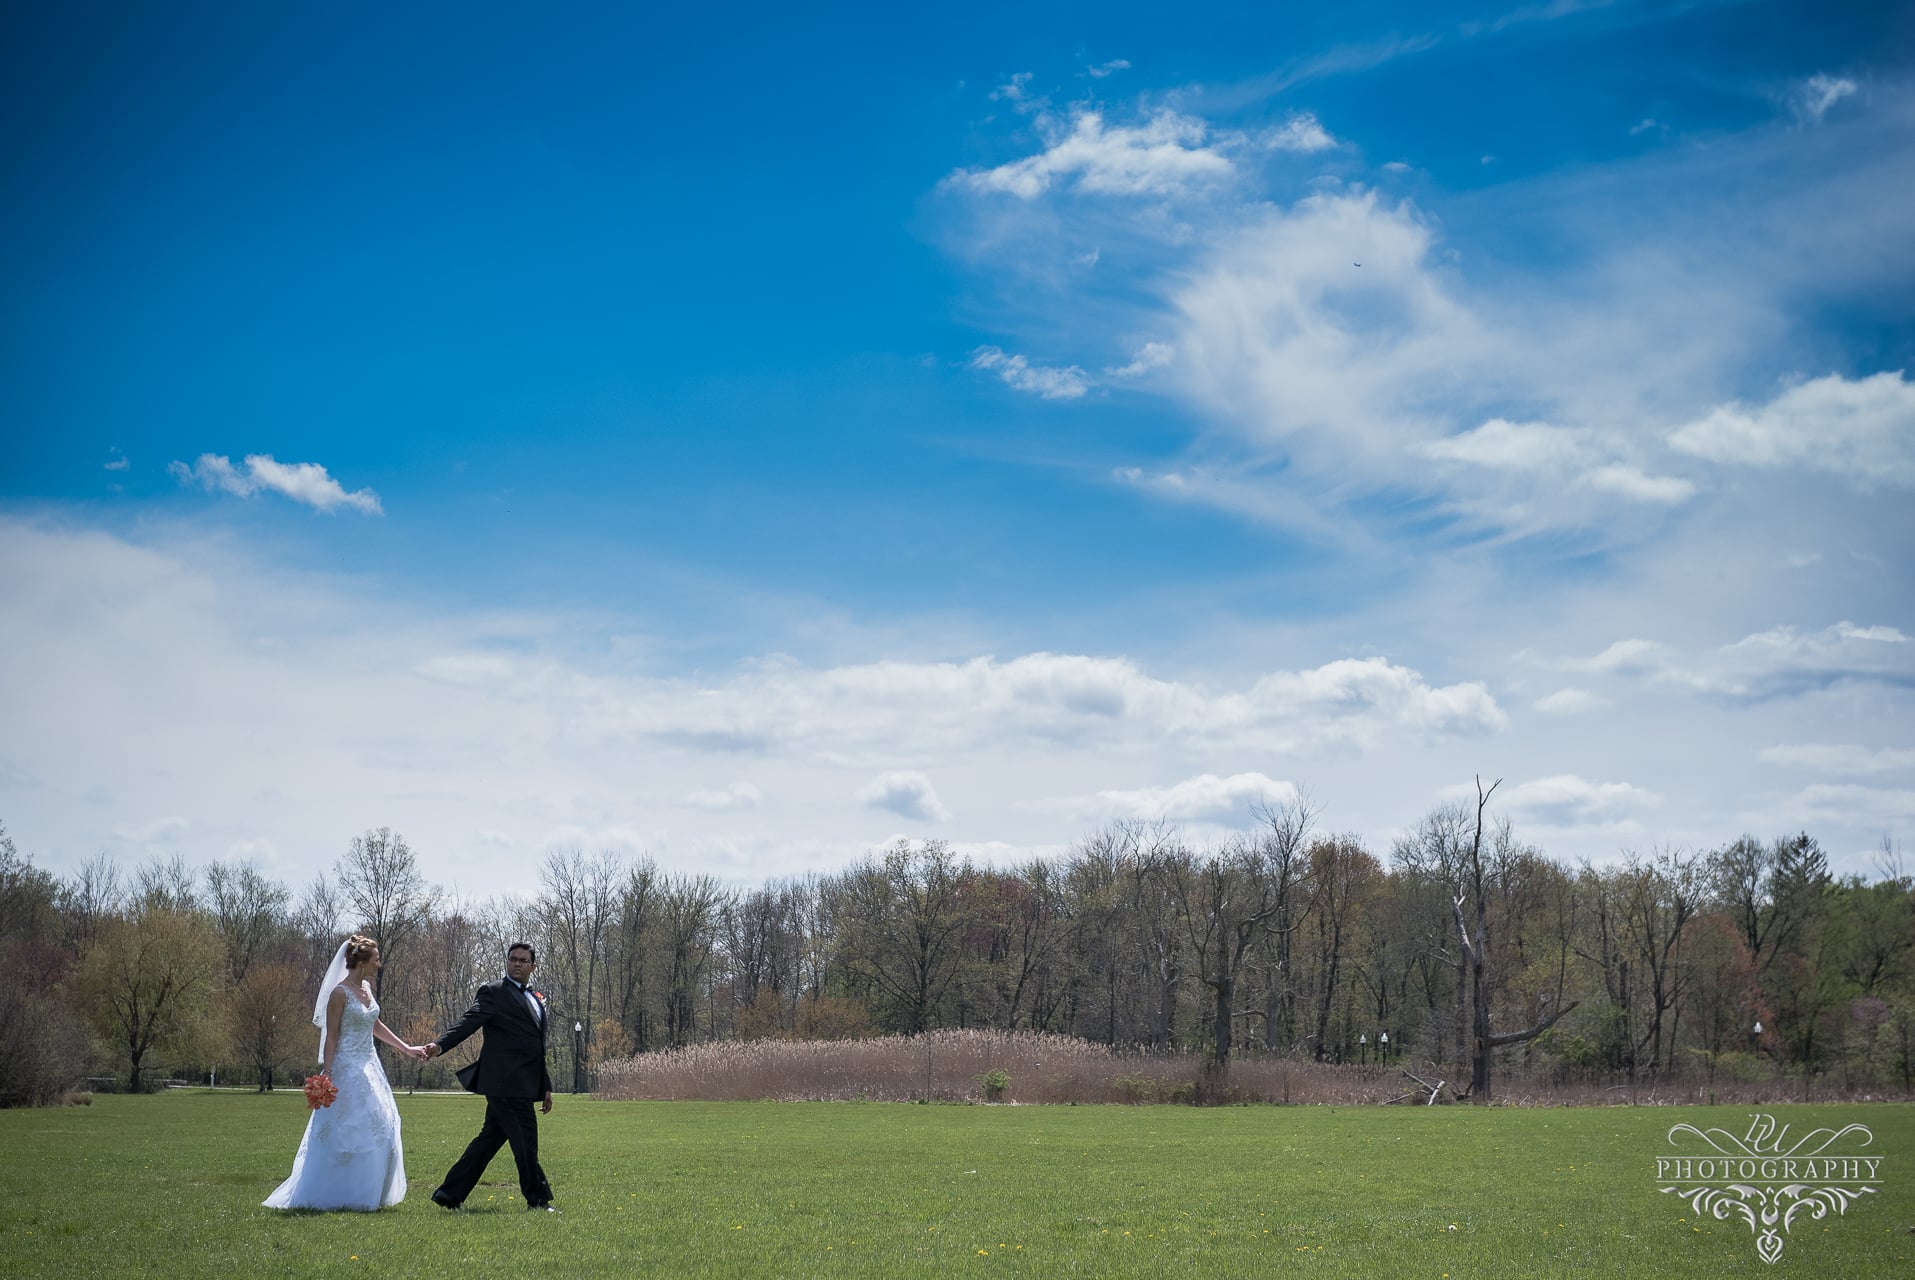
{"x": 170, "y": 1186}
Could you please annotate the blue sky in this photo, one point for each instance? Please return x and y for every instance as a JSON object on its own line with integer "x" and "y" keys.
{"x": 747, "y": 437}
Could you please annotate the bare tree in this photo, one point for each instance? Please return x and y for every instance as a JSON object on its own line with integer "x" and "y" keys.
{"x": 264, "y": 1011}
{"x": 380, "y": 879}
{"x": 905, "y": 926}
{"x": 89, "y": 899}
{"x": 689, "y": 911}
{"x": 1473, "y": 894}
{"x": 315, "y": 919}
{"x": 27, "y": 894}
{"x": 167, "y": 885}
{"x": 628, "y": 951}
{"x": 247, "y": 909}
{"x": 1227, "y": 898}
{"x": 1342, "y": 877}
{"x": 575, "y": 911}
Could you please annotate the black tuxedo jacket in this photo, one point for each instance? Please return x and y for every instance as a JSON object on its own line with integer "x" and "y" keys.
{"x": 511, "y": 1062}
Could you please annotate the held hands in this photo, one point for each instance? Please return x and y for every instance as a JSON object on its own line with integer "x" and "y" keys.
{"x": 429, "y": 1050}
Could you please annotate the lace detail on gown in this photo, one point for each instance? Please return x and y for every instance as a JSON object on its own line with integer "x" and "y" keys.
{"x": 351, "y": 1156}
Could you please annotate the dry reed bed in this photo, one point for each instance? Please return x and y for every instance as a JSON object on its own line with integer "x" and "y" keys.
{"x": 957, "y": 1066}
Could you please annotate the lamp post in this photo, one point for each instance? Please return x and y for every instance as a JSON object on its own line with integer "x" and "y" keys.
{"x": 578, "y": 1052}
{"x": 1755, "y": 1037}
{"x": 1363, "y": 1048}
{"x": 1383, "y": 1047}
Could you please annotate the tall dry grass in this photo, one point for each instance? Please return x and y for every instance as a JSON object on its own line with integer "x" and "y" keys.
{"x": 957, "y": 1066}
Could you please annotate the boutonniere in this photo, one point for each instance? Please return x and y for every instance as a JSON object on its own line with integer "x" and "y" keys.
{"x": 539, "y": 996}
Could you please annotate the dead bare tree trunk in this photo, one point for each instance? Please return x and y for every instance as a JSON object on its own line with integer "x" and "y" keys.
{"x": 1476, "y": 958}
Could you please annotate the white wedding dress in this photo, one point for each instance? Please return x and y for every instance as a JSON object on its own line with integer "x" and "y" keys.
{"x": 351, "y": 1156}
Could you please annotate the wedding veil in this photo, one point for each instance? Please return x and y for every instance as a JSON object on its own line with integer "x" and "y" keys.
{"x": 335, "y": 974}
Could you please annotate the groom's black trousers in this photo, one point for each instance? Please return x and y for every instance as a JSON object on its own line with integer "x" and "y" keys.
{"x": 507, "y": 1120}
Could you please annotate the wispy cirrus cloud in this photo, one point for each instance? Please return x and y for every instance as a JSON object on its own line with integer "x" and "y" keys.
{"x": 303, "y": 482}
{"x": 1812, "y": 98}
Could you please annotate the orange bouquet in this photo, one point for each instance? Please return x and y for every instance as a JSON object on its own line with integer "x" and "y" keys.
{"x": 320, "y": 1091}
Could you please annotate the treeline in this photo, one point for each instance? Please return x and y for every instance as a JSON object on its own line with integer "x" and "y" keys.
{"x": 1460, "y": 950}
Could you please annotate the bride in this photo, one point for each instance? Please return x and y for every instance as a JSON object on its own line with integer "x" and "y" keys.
{"x": 351, "y": 1157}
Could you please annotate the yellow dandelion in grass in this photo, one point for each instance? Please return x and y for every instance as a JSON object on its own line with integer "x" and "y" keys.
{"x": 984, "y": 1253}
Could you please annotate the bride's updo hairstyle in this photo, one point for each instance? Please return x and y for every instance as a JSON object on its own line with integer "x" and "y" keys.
{"x": 359, "y": 949}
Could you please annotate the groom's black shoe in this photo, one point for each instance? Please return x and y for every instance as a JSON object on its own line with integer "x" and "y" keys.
{"x": 444, "y": 1201}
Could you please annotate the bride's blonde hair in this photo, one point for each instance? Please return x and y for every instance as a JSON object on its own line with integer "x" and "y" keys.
{"x": 358, "y": 949}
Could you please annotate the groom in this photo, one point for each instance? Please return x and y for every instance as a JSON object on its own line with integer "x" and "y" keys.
{"x": 510, "y": 1072}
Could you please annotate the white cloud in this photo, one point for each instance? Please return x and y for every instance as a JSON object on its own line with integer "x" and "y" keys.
{"x": 1628, "y": 482}
{"x": 1861, "y": 430}
{"x": 1150, "y": 356}
{"x": 1812, "y": 98}
{"x": 1574, "y": 458}
{"x": 907, "y": 793}
{"x": 1516, "y": 446}
{"x": 1073, "y": 700}
{"x": 1570, "y": 702}
{"x": 1849, "y": 805}
{"x": 160, "y": 831}
{"x": 1301, "y": 132}
{"x": 1204, "y": 798}
{"x": 1568, "y": 800}
{"x": 194, "y": 679}
{"x": 1103, "y": 69}
{"x": 1014, "y": 89}
{"x": 1841, "y": 758}
{"x": 117, "y": 462}
{"x": 737, "y": 795}
{"x": 1047, "y": 382}
{"x": 1163, "y": 156}
{"x": 1284, "y": 339}
{"x": 306, "y": 482}
{"x": 1779, "y": 662}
